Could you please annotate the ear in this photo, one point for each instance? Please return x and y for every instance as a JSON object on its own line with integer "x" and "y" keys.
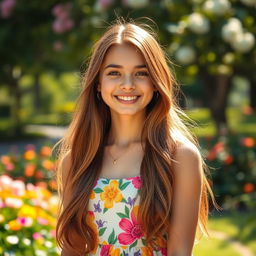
{"x": 98, "y": 87}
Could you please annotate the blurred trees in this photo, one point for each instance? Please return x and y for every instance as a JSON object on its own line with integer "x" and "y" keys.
{"x": 211, "y": 40}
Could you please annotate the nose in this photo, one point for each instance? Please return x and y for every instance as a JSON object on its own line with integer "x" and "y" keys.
{"x": 127, "y": 83}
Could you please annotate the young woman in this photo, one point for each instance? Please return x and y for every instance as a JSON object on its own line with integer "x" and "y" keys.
{"x": 131, "y": 177}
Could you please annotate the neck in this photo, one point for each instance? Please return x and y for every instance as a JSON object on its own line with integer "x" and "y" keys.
{"x": 125, "y": 129}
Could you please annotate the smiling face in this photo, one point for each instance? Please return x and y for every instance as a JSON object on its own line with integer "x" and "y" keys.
{"x": 124, "y": 81}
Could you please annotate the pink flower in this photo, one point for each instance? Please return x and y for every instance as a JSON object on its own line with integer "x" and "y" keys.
{"x": 25, "y": 221}
{"x": 6, "y": 8}
{"x": 105, "y": 3}
{"x": 42, "y": 221}
{"x": 9, "y": 167}
{"x": 132, "y": 230}
{"x": 105, "y": 250}
{"x": 136, "y": 181}
{"x": 37, "y": 235}
{"x": 30, "y": 147}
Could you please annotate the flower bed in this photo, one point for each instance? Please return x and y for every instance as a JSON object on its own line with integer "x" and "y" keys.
{"x": 27, "y": 219}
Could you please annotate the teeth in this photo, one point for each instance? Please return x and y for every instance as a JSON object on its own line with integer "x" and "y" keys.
{"x": 127, "y": 97}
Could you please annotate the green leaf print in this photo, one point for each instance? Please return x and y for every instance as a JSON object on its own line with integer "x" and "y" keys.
{"x": 133, "y": 245}
{"x": 105, "y": 181}
{"x": 122, "y": 216}
{"x": 120, "y": 183}
{"x": 143, "y": 241}
{"x": 112, "y": 237}
{"x": 124, "y": 185}
{"x": 127, "y": 211}
{"x": 98, "y": 190}
{"x": 105, "y": 209}
{"x": 124, "y": 200}
{"x": 102, "y": 230}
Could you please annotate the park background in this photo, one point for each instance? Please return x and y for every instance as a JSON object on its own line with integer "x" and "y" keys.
{"x": 44, "y": 48}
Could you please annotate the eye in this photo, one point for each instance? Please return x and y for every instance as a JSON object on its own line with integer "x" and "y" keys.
{"x": 113, "y": 73}
{"x": 142, "y": 73}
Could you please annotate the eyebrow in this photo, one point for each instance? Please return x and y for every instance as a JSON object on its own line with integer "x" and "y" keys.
{"x": 119, "y": 66}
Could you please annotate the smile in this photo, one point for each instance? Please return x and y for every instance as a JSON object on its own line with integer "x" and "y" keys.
{"x": 127, "y": 99}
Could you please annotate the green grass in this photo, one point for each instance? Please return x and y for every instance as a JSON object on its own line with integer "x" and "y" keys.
{"x": 239, "y": 123}
{"x": 213, "y": 247}
{"x": 238, "y": 226}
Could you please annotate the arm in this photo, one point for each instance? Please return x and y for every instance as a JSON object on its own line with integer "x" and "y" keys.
{"x": 188, "y": 174}
{"x": 64, "y": 169}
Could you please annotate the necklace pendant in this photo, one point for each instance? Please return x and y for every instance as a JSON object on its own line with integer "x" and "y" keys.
{"x": 114, "y": 161}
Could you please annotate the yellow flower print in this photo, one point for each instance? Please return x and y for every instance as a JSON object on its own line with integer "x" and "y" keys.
{"x": 114, "y": 252}
{"x": 111, "y": 194}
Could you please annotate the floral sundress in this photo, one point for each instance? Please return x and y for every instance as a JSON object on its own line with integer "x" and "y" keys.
{"x": 112, "y": 214}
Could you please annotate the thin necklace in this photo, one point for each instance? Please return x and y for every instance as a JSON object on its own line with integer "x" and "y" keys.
{"x": 115, "y": 159}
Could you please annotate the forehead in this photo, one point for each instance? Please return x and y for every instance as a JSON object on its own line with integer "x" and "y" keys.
{"x": 124, "y": 54}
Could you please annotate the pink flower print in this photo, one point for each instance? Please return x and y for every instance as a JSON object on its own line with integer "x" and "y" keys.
{"x": 164, "y": 251}
{"x": 136, "y": 181}
{"x": 132, "y": 229}
{"x": 105, "y": 249}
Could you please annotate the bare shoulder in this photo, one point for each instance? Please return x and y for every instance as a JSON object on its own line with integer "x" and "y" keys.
{"x": 187, "y": 160}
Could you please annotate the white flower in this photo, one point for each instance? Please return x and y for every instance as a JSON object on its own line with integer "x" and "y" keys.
{"x": 5, "y": 181}
{"x": 249, "y": 2}
{"x": 231, "y": 29}
{"x": 217, "y": 7}
{"x": 12, "y": 239}
{"x": 185, "y": 55}
{"x": 40, "y": 253}
{"x": 228, "y": 58}
{"x": 48, "y": 244}
{"x": 18, "y": 187}
{"x": 13, "y": 202}
{"x": 26, "y": 241}
{"x": 137, "y": 3}
{"x": 243, "y": 42}
{"x": 198, "y": 23}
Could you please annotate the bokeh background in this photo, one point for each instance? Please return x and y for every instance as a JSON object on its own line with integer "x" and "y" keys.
{"x": 44, "y": 47}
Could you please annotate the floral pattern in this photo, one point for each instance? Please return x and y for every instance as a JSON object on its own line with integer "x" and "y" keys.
{"x": 112, "y": 213}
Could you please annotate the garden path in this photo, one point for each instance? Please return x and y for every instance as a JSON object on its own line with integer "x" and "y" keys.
{"x": 239, "y": 247}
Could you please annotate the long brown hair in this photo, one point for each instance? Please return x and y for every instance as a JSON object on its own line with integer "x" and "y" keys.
{"x": 86, "y": 137}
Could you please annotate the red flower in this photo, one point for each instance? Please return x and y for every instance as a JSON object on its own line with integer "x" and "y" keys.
{"x": 248, "y": 142}
{"x": 132, "y": 229}
{"x": 248, "y": 188}
{"x": 105, "y": 249}
{"x": 136, "y": 181}
{"x": 229, "y": 159}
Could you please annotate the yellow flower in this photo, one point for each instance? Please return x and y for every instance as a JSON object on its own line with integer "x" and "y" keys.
{"x": 5, "y": 159}
{"x": 48, "y": 165}
{"x": 45, "y": 151}
{"x": 29, "y": 154}
{"x": 28, "y": 211}
{"x": 14, "y": 225}
{"x": 111, "y": 194}
{"x": 1, "y": 218}
{"x": 114, "y": 252}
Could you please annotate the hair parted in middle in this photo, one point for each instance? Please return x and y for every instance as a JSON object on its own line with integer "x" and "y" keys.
{"x": 88, "y": 133}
